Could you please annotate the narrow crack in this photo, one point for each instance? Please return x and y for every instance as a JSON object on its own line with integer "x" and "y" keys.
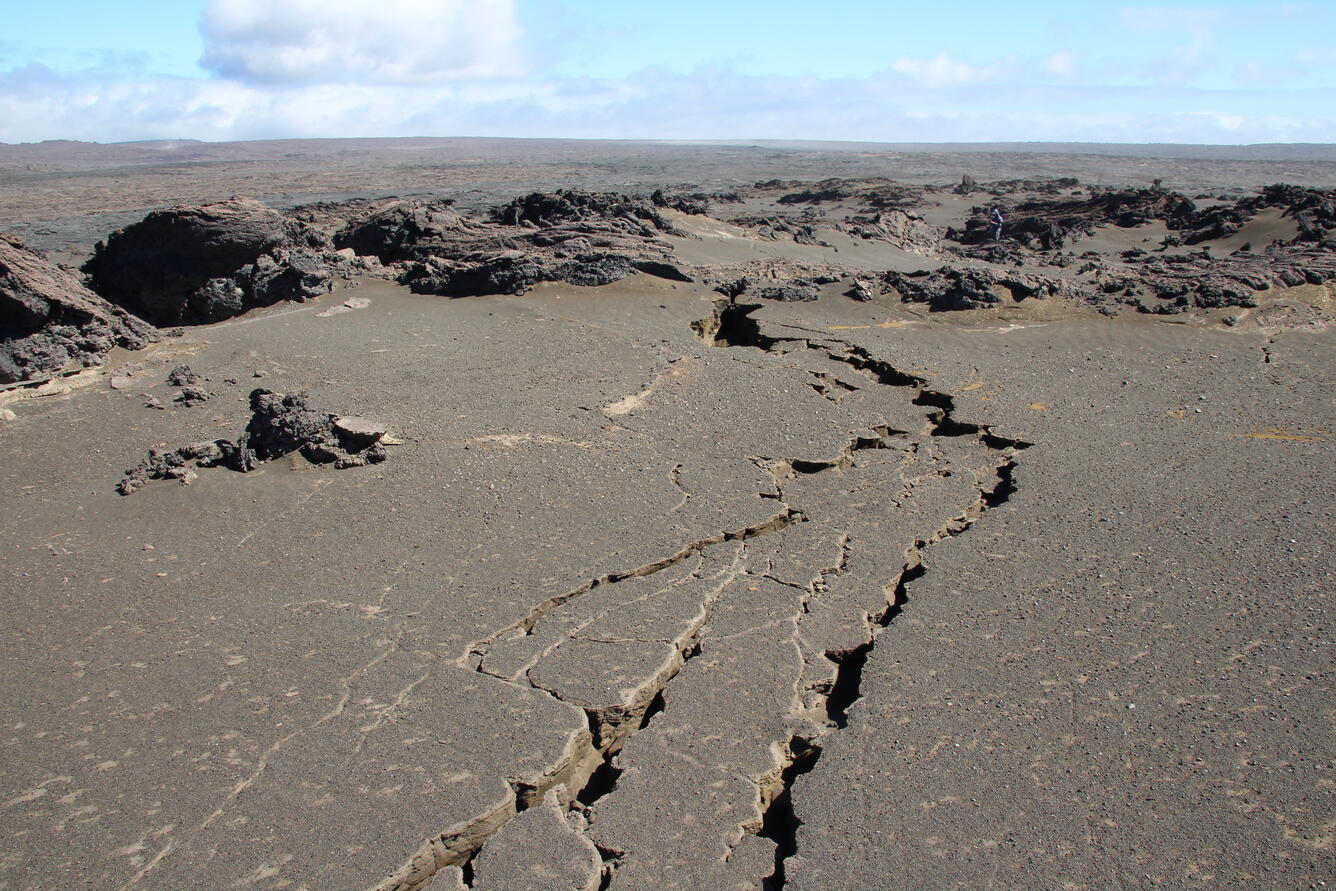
{"x": 478, "y": 648}
{"x": 612, "y": 859}
{"x": 779, "y": 822}
{"x": 731, "y": 325}
{"x": 830, "y": 387}
{"x": 609, "y": 729}
{"x": 675, "y": 477}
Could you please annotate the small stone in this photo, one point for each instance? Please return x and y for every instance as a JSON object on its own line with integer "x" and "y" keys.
{"x": 182, "y": 375}
{"x": 191, "y": 396}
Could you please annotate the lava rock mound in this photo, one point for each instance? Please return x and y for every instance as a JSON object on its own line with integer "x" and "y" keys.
{"x": 957, "y": 288}
{"x": 194, "y": 265}
{"x": 280, "y": 424}
{"x": 49, "y": 320}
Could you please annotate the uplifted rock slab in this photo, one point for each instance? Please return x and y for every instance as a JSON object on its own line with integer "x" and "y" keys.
{"x": 49, "y": 320}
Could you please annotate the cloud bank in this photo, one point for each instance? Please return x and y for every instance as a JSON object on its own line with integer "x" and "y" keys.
{"x": 331, "y": 68}
{"x": 353, "y": 41}
{"x": 892, "y": 107}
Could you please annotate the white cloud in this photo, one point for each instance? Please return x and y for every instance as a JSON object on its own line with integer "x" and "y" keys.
{"x": 1253, "y": 73}
{"x": 1064, "y": 65}
{"x": 344, "y": 41}
{"x": 944, "y": 70}
{"x": 36, "y": 104}
{"x": 1317, "y": 58}
{"x": 1230, "y": 123}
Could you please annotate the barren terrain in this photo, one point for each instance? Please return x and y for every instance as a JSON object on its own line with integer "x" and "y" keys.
{"x": 782, "y": 529}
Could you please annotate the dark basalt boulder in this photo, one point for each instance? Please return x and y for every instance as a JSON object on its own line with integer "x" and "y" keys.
{"x": 592, "y": 270}
{"x": 194, "y": 265}
{"x": 1050, "y": 224}
{"x": 516, "y": 272}
{"x": 280, "y": 424}
{"x": 861, "y": 290}
{"x": 791, "y": 292}
{"x": 694, "y": 204}
{"x": 818, "y": 193}
{"x": 947, "y": 289}
{"x": 396, "y": 232}
{"x": 957, "y": 288}
{"x": 49, "y": 320}
{"x": 584, "y": 238}
{"x": 566, "y": 206}
{"x": 1313, "y": 209}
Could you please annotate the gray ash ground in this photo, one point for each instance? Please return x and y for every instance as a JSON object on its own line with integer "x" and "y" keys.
{"x": 760, "y": 522}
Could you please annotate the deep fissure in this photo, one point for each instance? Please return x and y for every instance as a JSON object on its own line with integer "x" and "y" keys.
{"x": 779, "y": 822}
{"x": 732, "y": 325}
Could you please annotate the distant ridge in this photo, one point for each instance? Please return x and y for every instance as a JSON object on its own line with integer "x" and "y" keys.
{"x": 1266, "y": 151}
{"x": 60, "y": 151}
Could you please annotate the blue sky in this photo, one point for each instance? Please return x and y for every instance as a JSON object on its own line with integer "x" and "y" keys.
{"x": 1230, "y": 71}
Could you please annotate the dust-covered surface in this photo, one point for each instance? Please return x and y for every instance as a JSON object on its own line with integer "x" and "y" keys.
{"x": 794, "y": 533}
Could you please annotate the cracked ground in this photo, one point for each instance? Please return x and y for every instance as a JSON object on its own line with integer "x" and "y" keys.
{"x": 664, "y": 592}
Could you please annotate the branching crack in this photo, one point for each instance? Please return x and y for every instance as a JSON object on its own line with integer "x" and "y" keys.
{"x": 478, "y": 649}
{"x": 831, "y": 387}
{"x": 731, "y": 325}
{"x": 592, "y": 773}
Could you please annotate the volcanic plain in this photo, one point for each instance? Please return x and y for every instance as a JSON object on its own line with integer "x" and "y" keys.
{"x": 549, "y": 515}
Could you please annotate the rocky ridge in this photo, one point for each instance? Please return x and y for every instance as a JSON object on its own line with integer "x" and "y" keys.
{"x": 582, "y": 238}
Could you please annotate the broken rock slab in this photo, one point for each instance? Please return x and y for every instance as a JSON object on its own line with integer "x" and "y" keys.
{"x": 540, "y": 848}
{"x": 49, "y": 320}
{"x": 356, "y": 433}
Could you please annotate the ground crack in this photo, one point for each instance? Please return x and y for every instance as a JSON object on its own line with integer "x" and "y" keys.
{"x": 731, "y": 325}
{"x": 478, "y": 649}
